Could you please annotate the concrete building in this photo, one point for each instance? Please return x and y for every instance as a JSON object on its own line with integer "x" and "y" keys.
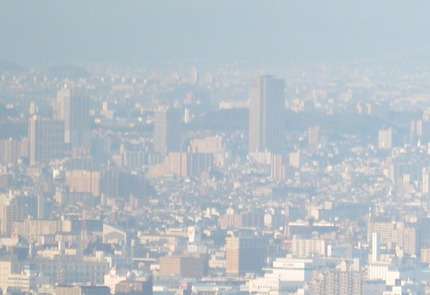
{"x": 73, "y": 107}
{"x": 266, "y": 115}
{"x": 347, "y": 278}
{"x": 34, "y": 229}
{"x": 83, "y": 181}
{"x": 286, "y": 276}
{"x": 8, "y": 265}
{"x": 295, "y": 159}
{"x": 278, "y": 170}
{"x": 207, "y": 145}
{"x": 71, "y": 267}
{"x": 314, "y": 136}
{"x": 82, "y": 290}
{"x": 376, "y": 247}
{"x": 134, "y": 287}
{"x": 242, "y": 220}
{"x": 167, "y": 131}
{"x": 385, "y": 139}
{"x": 182, "y": 164}
{"x": 184, "y": 266}
{"x": 392, "y": 234}
{"x": 245, "y": 255}
{"x": 46, "y": 140}
{"x": 425, "y": 181}
{"x": 304, "y": 248}
{"x": 26, "y": 281}
{"x": 339, "y": 282}
{"x": 10, "y": 151}
{"x": 10, "y": 211}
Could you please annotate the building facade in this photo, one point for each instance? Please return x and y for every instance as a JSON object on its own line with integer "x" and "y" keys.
{"x": 73, "y": 107}
{"x": 167, "y": 131}
{"x": 266, "y": 115}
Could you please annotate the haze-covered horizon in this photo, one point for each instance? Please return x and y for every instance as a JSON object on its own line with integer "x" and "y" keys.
{"x": 258, "y": 32}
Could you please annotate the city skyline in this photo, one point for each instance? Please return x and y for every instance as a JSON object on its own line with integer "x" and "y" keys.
{"x": 204, "y": 148}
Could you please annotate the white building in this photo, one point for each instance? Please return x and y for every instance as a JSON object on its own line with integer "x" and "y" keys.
{"x": 287, "y": 275}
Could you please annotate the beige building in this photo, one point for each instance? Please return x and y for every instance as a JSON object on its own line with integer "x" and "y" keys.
{"x": 185, "y": 266}
{"x": 82, "y": 290}
{"x": 242, "y": 220}
{"x": 295, "y": 159}
{"x": 385, "y": 139}
{"x": 10, "y": 212}
{"x": 26, "y": 281}
{"x": 245, "y": 255}
{"x": 34, "y": 229}
{"x": 84, "y": 181}
{"x": 113, "y": 235}
{"x": 182, "y": 164}
{"x": 207, "y": 145}
{"x": 8, "y": 265}
{"x": 314, "y": 136}
{"x": 394, "y": 234}
{"x": 142, "y": 287}
{"x": 304, "y": 248}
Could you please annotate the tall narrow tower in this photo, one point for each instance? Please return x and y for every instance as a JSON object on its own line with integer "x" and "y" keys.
{"x": 266, "y": 120}
{"x": 376, "y": 247}
{"x": 167, "y": 131}
{"x": 73, "y": 107}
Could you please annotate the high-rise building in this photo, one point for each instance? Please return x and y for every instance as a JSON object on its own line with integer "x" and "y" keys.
{"x": 266, "y": 120}
{"x": 314, "y": 136}
{"x": 385, "y": 139}
{"x": 376, "y": 247}
{"x": 245, "y": 255}
{"x": 10, "y": 151}
{"x": 46, "y": 140}
{"x": 167, "y": 131}
{"x": 278, "y": 167}
{"x": 73, "y": 107}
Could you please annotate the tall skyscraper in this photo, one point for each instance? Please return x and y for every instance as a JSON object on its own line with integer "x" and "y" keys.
{"x": 10, "y": 151}
{"x": 73, "y": 107}
{"x": 266, "y": 120}
{"x": 46, "y": 140}
{"x": 167, "y": 131}
{"x": 385, "y": 139}
{"x": 314, "y": 136}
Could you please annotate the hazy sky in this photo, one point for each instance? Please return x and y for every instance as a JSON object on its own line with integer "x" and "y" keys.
{"x": 138, "y": 31}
